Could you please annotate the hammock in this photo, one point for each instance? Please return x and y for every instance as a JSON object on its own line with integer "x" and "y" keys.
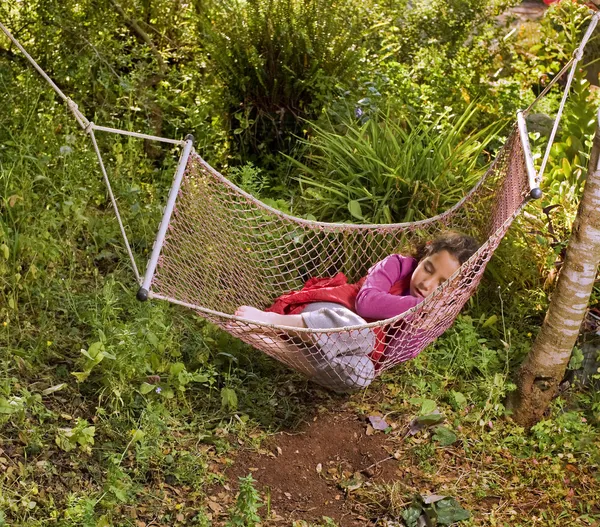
{"x": 218, "y": 248}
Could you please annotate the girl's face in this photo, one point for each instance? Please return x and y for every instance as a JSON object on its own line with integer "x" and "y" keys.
{"x": 432, "y": 271}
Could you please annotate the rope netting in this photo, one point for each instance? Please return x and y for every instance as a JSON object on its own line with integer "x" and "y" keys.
{"x": 220, "y": 248}
{"x": 224, "y": 249}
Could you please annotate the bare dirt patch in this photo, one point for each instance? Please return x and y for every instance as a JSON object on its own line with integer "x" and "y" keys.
{"x": 309, "y": 472}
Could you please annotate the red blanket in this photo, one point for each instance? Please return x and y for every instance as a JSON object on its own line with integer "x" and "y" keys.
{"x": 338, "y": 290}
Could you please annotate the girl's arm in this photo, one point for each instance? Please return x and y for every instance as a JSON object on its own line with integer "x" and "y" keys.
{"x": 374, "y": 300}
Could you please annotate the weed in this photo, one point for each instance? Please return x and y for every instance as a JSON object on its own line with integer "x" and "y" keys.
{"x": 245, "y": 512}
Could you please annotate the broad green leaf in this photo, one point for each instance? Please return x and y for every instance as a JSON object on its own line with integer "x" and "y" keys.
{"x": 490, "y": 321}
{"x": 355, "y": 209}
{"x": 458, "y": 400}
{"x": 138, "y": 435}
{"x": 429, "y": 420}
{"x": 10, "y": 406}
{"x": 177, "y": 368}
{"x": 152, "y": 338}
{"x": 81, "y": 375}
{"x": 428, "y": 406}
{"x": 229, "y": 399}
{"x": 146, "y": 388}
{"x": 444, "y": 436}
{"x": 449, "y": 511}
{"x": 95, "y": 349}
{"x": 411, "y": 515}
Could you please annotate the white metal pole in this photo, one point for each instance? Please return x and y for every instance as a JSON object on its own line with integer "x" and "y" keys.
{"x": 534, "y": 189}
{"x": 144, "y": 290}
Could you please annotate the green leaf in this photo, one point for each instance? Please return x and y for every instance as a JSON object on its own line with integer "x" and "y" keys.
{"x": 146, "y": 388}
{"x": 458, "y": 400}
{"x": 152, "y": 338}
{"x": 94, "y": 350}
{"x": 411, "y": 515}
{"x": 355, "y": 209}
{"x": 229, "y": 400}
{"x": 491, "y": 321}
{"x": 81, "y": 375}
{"x": 444, "y": 436}
{"x": 449, "y": 511}
{"x": 10, "y": 406}
{"x": 103, "y": 521}
{"x": 138, "y": 435}
{"x": 428, "y": 406}
{"x": 429, "y": 420}
{"x": 167, "y": 393}
{"x": 177, "y": 368}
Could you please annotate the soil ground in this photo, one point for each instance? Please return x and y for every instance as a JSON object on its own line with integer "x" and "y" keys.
{"x": 308, "y": 472}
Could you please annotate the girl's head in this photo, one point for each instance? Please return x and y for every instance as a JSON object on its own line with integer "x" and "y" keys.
{"x": 438, "y": 260}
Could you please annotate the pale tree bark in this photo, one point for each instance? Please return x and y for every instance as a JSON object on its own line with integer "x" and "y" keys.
{"x": 543, "y": 369}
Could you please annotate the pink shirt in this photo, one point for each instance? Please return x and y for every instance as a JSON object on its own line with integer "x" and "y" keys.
{"x": 380, "y": 298}
{"x": 375, "y": 300}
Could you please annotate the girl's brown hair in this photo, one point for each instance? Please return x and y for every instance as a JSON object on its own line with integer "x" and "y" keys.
{"x": 461, "y": 246}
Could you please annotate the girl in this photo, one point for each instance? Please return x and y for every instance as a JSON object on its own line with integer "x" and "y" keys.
{"x": 347, "y": 360}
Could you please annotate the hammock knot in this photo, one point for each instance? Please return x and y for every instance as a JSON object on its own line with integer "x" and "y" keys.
{"x": 81, "y": 119}
{"x": 578, "y": 54}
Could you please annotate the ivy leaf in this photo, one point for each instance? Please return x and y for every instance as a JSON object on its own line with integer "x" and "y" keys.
{"x": 411, "y": 515}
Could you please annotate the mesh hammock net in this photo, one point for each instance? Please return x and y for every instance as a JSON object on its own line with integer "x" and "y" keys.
{"x": 219, "y": 248}
{"x": 223, "y": 249}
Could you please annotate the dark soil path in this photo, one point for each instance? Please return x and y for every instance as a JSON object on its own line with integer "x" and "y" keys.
{"x": 309, "y": 472}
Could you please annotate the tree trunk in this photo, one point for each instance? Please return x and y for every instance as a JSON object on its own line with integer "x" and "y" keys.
{"x": 543, "y": 369}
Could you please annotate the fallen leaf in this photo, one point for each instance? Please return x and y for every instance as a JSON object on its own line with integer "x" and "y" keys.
{"x": 432, "y": 498}
{"x": 53, "y": 389}
{"x": 378, "y": 422}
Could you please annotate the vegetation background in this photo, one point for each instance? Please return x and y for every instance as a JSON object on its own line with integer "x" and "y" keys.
{"x": 323, "y": 110}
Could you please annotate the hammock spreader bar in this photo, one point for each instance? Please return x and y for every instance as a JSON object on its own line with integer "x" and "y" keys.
{"x": 142, "y": 293}
{"x": 534, "y": 189}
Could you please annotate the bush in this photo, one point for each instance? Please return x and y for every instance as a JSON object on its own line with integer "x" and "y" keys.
{"x": 279, "y": 61}
{"x": 388, "y": 170}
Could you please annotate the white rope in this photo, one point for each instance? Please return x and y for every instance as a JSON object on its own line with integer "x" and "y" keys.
{"x": 577, "y": 56}
{"x": 554, "y": 80}
{"x": 81, "y": 119}
{"x": 90, "y": 131}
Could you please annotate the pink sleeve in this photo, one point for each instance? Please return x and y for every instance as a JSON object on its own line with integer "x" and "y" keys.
{"x": 374, "y": 300}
